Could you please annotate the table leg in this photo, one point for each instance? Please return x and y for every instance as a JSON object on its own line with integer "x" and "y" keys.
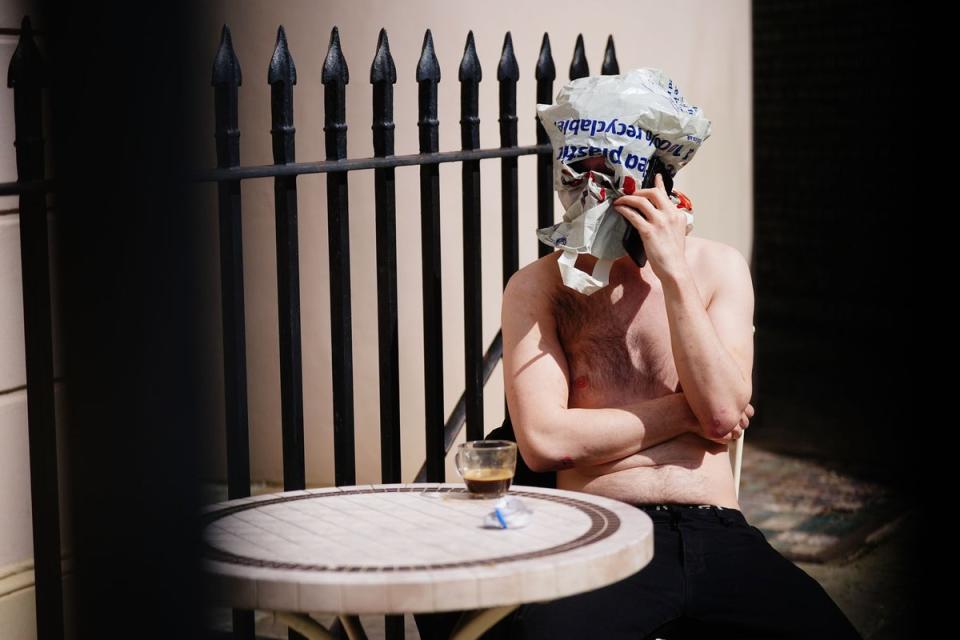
{"x": 305, "y": 625}
{"x": 351, "y": 624}
{"x": 473, "y": 624}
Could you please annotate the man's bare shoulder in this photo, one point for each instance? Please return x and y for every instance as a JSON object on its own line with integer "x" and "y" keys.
{"x": 713, "y": 261}
{"x": 536, "y": 276}
{"x": 712, "y": 253}
{"x": 698, "y": 246}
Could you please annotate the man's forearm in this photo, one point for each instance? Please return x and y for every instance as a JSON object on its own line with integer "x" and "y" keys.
{"x": 584, "y": 437}
{"x": 709, "y": 376}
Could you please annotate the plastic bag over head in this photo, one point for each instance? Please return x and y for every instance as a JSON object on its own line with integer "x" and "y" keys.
{"x": 620, "y": 122}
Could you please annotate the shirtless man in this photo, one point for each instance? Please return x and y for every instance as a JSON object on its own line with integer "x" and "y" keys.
{"x": 594, "y": 383}
{"x": 634, "y": 393}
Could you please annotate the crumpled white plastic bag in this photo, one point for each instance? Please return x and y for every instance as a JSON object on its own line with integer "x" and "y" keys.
{"x": 626, "y": 119}
{"x": 509, "y": 512}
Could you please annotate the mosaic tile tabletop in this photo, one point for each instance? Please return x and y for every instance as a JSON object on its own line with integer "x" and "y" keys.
{"x": 415, "y": 547}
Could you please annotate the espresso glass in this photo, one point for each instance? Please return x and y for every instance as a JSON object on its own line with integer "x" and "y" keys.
{"x": 487, "y": 466}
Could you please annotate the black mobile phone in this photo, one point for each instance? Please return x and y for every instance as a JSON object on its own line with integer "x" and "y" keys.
{"x": 631, "y": 237}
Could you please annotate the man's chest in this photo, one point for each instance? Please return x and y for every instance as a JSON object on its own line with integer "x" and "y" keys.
{"x": 617, "y": 342}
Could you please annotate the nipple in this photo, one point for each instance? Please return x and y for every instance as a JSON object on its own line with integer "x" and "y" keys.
{"x": 581, "y": 382}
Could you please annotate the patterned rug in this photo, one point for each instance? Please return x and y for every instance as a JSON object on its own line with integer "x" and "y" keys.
{"x": 811, "y": 513}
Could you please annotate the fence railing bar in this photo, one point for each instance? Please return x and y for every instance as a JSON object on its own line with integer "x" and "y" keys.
{"x": 610, "y": 67}
{"x": 282, "y": 77}
{"x": 227, "y": 78}
{"x": 470, "y": 76}
{"x": 334, "y": 78}
{"x": 578, "y": 64}
{"x": 428, "y": 77}
{"x": 383, "y": 75}
{"x": 508, "y": 73}
{"x": 27, "y": 78}
{"x": 353, "y": 164}
{"x": 451, "y": 429}
{"x": 545, "y": 74}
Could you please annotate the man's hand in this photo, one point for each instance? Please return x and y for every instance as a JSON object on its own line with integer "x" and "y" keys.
{"x": 735, "y": 433}
{"x": 662, "y": 226}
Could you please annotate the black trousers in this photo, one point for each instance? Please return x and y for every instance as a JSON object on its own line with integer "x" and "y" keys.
{"x": 712, "y": 575}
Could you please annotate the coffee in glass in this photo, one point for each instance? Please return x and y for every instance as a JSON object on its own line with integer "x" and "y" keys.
{"x": 487, "y": 466}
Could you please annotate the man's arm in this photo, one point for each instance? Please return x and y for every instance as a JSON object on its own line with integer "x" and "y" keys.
{"x": 713, "y": 346}
{"x": 550, "y": 435}
{"x": 590, "y": 437}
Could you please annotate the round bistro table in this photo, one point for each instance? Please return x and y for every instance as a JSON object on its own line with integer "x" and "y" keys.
{"x": 414, "y": 548}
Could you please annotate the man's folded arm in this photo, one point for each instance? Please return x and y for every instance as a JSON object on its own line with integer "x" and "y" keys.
{"x": 587, "y": 437}
{"x": 712, "y": 343}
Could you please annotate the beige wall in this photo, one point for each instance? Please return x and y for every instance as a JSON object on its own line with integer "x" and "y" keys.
{"x": 704, "y": 46}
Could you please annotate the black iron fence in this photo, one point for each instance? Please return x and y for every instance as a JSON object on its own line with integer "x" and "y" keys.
{"x": 440, "y": 430}
{"x": 27, "y": 79}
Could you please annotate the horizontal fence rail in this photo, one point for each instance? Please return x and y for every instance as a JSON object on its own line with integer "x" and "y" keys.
{"x": 27, "y": 186}
{"x": 440, "y": 431}
{"x": 351, "y": 164}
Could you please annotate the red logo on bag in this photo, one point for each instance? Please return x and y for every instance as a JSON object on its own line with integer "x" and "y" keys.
{"x": 684, "y": 201}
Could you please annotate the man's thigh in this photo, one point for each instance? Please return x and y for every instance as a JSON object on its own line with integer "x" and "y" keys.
{"x": 748, "y": 589}
{"x": 626, "y": 610}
